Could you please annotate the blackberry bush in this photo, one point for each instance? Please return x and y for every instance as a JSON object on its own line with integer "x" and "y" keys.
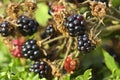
{"x": 75, "y": 25}
{"x": 42, "y": 68}
{"x": 84, "y": 44}
{"x": 31, "y": 50}
{"x": 27, "y": 26}
{"x": 6, "y": 29}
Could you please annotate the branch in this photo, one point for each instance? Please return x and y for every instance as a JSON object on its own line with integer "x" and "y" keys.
{"x": 112, "y": 17}
{"x": 54, "y": 39}
{"x": 68, "y": 49}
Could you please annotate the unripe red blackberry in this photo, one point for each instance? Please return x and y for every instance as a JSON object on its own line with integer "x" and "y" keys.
{"x": 42, "y": 68}
{"x": 30, "y": 50}
{"x": 75, "y": 25}
{"x": 70, "y": 64}
{"x": 84, "y": 44}
{"x": 6, "y": 29}
{"x": 27, "y": 26}
{"x": 16, "y": 51}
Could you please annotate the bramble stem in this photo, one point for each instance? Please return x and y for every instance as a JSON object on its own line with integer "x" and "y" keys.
{"x": 54, "y": 39}
{"x": 68, "y": 49}
{"x": 109, "y": 16}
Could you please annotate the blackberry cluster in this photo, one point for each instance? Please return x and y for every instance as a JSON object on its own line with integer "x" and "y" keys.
{"x": 27, "y": 26}
{"x": 75, "y": 25}
{"x": 41, "y": 68}
{"x": 31, "y": 50}
{"x": 6, "y": 29}
{"x": 84, "y": 44}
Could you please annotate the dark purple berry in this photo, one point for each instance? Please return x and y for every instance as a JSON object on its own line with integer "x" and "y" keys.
{"x": 42, "y": 68}
{"x": 27, "y": 26}
{"x": 31, "y": 50}
{"x": 75, "y": 25}
{"x": 84, "y": 44}
{"x": 6, "y": 29}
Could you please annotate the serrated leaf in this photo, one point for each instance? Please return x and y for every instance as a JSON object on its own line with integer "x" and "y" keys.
{"x": 36, "y": 77}
{"x": 43, "y": 79}
{"x": 87, "y": 74}
{"x": 109, "y": 61}
{"x": 20, "y": 69}
{"x": 118, "y": 72}
{"x": 115, "y": 3}
{"x": 67, "y": 77}
{"x": 56, "y": 78}
{"x": 79, "y": 77}
{"x": 41, "y": 14}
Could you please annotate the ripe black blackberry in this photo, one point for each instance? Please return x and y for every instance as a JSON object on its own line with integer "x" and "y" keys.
{"x": 6, "y": 29}
{"x": 84, "y": 44}
{"x": 75, "y": 25}
{"x": 31, "y": 50}
{"x": 27, "y": 26}
{"x": 42, "y": 68}
{"x": 49, "y": 30}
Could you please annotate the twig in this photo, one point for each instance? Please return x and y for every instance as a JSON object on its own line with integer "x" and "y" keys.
{"x": 54, "y": 39}
{"x": 109, "y": 16}
{"x": 116, "y": 10}
{"x": 68, "y": 49}
{"x": 113, "y": 28}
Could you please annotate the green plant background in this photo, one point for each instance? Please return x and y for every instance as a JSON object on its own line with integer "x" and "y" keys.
{"x": 98, "y": 65}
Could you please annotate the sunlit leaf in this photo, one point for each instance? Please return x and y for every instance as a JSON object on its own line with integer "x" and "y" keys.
{"x": 109, "y": 61}
{"x": 41, "y": 14}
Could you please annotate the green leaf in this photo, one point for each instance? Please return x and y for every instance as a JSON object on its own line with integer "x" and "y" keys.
{"x": 115, "y": 3}
{"x": 41, "y": 14}
{"x": 67, "y": 77}
{"x": 87, "y": 74}
{"x": 36, "y": 77}
{"x": 109, "y": 61}
{"x": 79, "y": 78}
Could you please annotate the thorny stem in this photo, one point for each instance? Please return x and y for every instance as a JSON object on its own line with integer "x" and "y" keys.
{"x": 77, "y": 54}
{"x": 113, "y": 28}
{"x": 116, "y": 10}
{"x": 61, "y": 47}
{"x": 68, "y": 49}
{"x": 54, "y": 39}
{"x": 112, "y": 17}
{"x": 42, "y": 41}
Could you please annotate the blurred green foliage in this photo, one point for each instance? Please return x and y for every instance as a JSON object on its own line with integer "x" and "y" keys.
{"x": 11, "y": 68}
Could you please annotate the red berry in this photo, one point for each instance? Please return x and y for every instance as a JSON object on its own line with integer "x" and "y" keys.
{"x": 68, "y": 59}
{"x": 70, "y": 64}
{"x": 58, "y": 8}
{"x": 16, "y": 51}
